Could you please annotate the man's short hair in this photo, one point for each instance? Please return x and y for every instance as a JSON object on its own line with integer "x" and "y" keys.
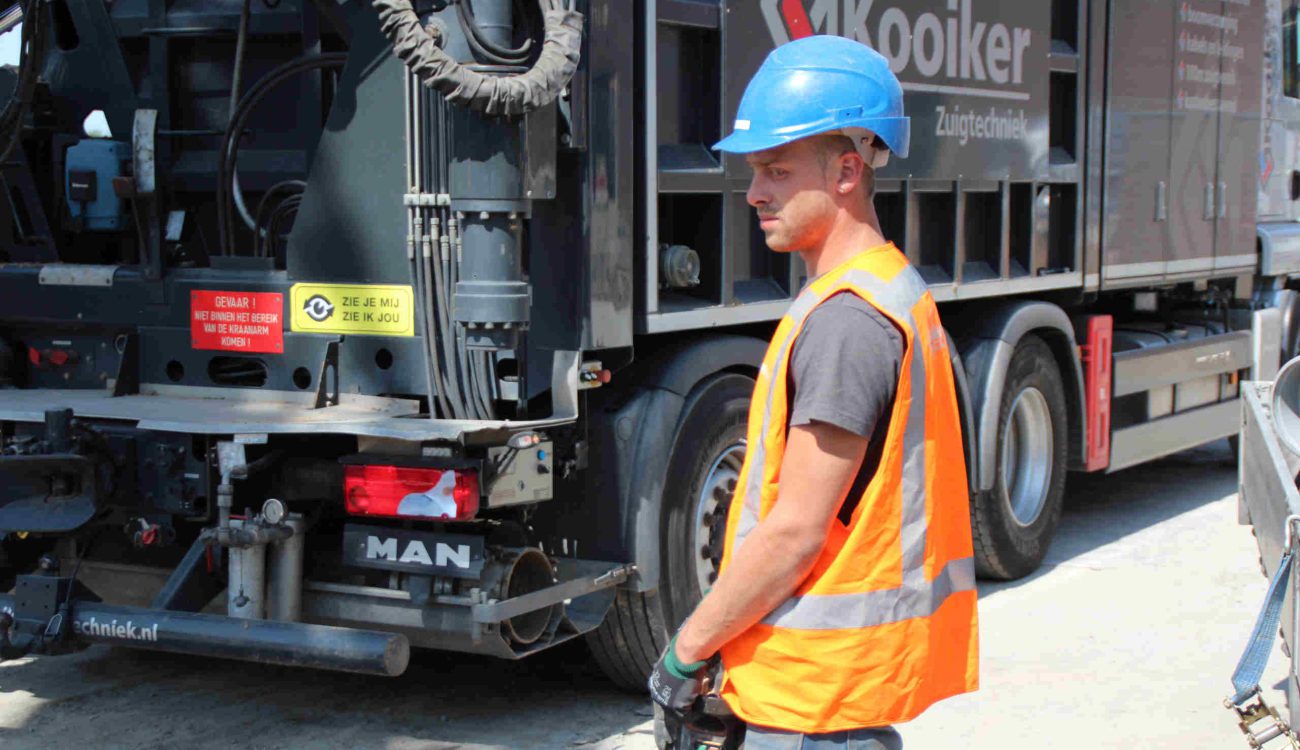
{"x": 832, "y": 147}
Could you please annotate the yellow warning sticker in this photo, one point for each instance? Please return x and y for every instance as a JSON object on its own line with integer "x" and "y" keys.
{"x": 364, "y": 309}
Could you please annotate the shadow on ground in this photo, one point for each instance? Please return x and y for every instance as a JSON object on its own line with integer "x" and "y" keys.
{"x": 135, "y": 699}
{"x": 1150, "y": 493}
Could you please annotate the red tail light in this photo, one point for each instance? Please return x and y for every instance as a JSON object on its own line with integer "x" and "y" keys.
{"x": 411, "y": 492}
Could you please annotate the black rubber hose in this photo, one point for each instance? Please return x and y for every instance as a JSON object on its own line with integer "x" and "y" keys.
{"x": 492, "y": 95}
{"x": 284, "y": 212}
{"x": 480, "y": 52}
{"x": 236, "y": 85}
{"x": 234, "y": 130}
{"x": 265, "y": 208}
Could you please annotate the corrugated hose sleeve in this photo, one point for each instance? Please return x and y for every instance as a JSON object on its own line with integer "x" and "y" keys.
{"x": 492, "y": 95}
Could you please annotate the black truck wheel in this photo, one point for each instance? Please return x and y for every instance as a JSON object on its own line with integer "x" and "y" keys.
{"x": 702, "y": 472}
{"x": 1013, "y": 524}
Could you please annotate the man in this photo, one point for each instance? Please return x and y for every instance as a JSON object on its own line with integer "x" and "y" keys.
{"x": 846, "y": 602}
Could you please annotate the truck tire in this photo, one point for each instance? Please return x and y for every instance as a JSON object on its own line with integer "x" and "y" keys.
{"x": 1013, "y": 523}
{"x": 702, "y": 470}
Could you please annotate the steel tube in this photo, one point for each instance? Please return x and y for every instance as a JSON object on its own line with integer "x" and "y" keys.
{"x": 495, "y": 19}
{"x": 284, "y": 574}
{"x": 246, "y": 588}
{"x": 262, "y": 641}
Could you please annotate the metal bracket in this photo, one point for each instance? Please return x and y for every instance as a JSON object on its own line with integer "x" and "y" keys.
{"x": 327, "y": 381}
{"x": 127, "y": 380}
{"x": 143, "y": 135}
{"x": 1255, "y": 712}
{"x": 572, "y": 589}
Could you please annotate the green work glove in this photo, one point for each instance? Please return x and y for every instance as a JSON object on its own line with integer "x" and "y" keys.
{"x": 675, "y": 685}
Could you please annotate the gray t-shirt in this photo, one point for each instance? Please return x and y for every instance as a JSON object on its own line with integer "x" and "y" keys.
{"x": 844, "y": 372}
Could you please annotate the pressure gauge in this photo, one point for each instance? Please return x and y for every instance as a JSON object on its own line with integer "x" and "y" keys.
{"x": 274, "y": 511}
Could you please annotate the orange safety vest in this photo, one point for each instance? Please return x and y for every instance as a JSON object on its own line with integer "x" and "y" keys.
{"x": 884, "y": 625}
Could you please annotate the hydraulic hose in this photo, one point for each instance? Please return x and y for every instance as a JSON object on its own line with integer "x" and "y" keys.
{"x": 492, "y": 95}
{"x": 484, "y": 47}
{"x": 265, "y": 209}
{"x": 229, "y": 146}
{"x": 236, "y": 83}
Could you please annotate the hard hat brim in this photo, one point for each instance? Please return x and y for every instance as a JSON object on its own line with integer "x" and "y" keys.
{"x": 894, "y": 131}
{"x": 746, "y": 142}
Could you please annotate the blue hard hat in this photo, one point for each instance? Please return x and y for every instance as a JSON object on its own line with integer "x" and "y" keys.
{"x": 819, "y": 84}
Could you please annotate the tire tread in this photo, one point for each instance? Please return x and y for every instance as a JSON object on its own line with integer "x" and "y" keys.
{"x": 635, "y": 631}
{"x": 995, "y": 557}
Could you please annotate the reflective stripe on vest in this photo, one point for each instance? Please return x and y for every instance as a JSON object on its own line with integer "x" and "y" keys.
{"x": 916, "y": 597}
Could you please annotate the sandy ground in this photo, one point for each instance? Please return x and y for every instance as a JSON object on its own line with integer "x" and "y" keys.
{"x": 1126, "y": 638}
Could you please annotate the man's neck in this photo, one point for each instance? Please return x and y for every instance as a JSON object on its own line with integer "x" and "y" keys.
{"x": 850, "y": 236}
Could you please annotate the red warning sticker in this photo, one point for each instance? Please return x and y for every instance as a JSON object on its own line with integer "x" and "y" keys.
{"x": 237, "y": 321}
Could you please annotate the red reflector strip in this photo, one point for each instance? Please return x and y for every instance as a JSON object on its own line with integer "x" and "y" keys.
{"x": 1097, "y": 357}
{"x": 410, "y": 492}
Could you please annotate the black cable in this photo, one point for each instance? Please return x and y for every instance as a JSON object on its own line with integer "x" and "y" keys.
{"x": 234, "y": 130}
{"x": 236, "y": 85}
{"x": 76, "y": 568}
{"x": 265, "y": 209}
{"x": 285, "y": 211}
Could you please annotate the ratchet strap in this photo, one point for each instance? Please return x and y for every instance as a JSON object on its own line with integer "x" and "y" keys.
{"x": 1257, "y": 720}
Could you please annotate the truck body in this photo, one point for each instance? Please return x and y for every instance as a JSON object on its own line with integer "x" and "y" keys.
{"x": 393, "y": 355}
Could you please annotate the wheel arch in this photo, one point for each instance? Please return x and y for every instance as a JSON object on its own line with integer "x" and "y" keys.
{"x": 986, "y": 349}
{"x": 636, "y": 439}
{"x": 965, "y": 410}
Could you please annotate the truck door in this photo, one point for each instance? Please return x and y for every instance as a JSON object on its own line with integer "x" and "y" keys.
{"x": 1241, "y": 94}
{"x": 1139, "y": 88}
{"x": 1193, "y": 174}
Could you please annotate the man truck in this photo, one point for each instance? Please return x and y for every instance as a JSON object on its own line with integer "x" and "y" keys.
{"x": 371, "y": 324}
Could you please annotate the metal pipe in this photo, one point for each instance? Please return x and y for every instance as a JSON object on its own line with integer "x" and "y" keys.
{"x": 495, "y": 20}
{"x": 246, "y": 587}
{"x": 284, "y": 573}
{"x": 285, "y": 643}
{"x": 225, "y": 501}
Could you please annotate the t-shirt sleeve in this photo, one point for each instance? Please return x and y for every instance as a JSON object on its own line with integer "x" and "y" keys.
{"x": 845, "y": 365}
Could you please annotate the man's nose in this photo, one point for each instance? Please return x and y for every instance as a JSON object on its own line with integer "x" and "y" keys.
{"x": 757, "y": 196}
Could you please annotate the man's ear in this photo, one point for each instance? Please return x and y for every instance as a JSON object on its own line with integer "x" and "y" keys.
{"x": 851, "y": 172}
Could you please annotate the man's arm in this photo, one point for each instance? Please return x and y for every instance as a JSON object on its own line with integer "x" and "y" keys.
{"x": 820, "y": 464}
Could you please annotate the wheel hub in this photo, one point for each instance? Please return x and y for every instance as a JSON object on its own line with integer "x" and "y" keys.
{"x": 1027, "y": 452}
{"x": 708, "y": 533}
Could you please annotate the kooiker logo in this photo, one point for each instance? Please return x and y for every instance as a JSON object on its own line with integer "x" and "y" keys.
{"x": 955, "y": 45}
